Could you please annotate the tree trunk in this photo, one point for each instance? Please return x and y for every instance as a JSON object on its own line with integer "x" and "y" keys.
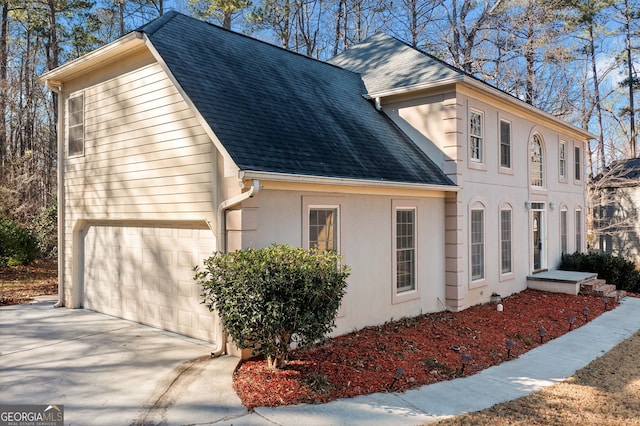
{"x": 3, "y": 82}
{"x": 598, "y": 104}
{"x": 631, "y": 80}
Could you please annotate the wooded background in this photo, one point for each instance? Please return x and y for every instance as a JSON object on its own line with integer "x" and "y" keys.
{"x": 576, "y": 59}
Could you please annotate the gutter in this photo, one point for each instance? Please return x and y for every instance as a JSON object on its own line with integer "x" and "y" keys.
{"x": 283, "y": 177}
{"x": 487, "y": 88}
{"x": 221, "y": 241}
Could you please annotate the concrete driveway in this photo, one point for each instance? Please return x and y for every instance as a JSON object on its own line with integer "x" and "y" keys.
{"x": 108, "y": 371}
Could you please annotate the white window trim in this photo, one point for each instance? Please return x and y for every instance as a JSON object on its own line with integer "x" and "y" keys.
{"x": 68, "y": 125}
{"x": 336, "y": 207}
{"x": 565, "y": 210}
{"x": 580, "y": 229}
{"x": 413, "y": 294}
{"x": 478, "y": 282}
{"x": 581, "y": 159}
{"x": 542, "y": 163}
{"x": 563, "y": 177}
{"x": 476, "y": 163}
{"x": 309, "y": 203}
{"x": 506, "y": 275}
{"x": 504, "y": 169}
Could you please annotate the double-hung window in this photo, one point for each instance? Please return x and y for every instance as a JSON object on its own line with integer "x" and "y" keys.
{"x": 578, "y": 163}
{"x": 477, "y": 244}
{"x": 563, "y": 159}
{"x": 323, "y": 228}
{"x": 75, "y": 128}
{"x": 476, "y": 136}
{"x": 563, "y": 231}
{"x": 505, "y": 241}
{"x": 578, "y": 230}
{"x": 405, "y": 251}
{"x": 505, "y": 144}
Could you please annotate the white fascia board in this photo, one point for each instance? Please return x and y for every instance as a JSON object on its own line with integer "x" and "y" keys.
{"x": 214, "y": 138}
{"x": 321, "y": 180}
{"x": 413, "y": 88}
{"x": 479, "y": 85}
{"x": 91, "y": 60}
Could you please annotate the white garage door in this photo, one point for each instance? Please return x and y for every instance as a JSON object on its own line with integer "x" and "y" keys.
{"x": 145, "y": 274}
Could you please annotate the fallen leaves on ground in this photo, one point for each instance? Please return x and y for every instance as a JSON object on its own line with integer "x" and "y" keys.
{"x": 428, "y": 349}
{"x": 19, "y": 284}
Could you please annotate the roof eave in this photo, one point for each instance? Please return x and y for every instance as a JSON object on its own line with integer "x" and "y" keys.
{"x": 92, "y": 59}
{"x": 414, "y": 88}
{"x": 322, "y": 180}
{"x": 476, "y": 84}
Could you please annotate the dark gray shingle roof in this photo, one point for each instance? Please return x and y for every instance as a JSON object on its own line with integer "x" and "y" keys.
{"x": 387, "y": 63}
{"x": 277, "y": 111}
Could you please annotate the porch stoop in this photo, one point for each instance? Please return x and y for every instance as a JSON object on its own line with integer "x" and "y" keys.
{"x": 574, "y": 282}
{"x": 598, "y": 287}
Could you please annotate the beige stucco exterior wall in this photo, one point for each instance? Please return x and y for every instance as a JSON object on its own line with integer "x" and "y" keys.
{"x": 146, "y": 158}
{"x": 365, "y": 241}
{"x": 442, "y": 119}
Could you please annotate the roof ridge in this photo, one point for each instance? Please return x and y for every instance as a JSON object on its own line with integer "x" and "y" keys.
{"x": 154, "y": 25}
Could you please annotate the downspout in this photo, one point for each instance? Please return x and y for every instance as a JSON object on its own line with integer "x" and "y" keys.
{"x": 221, "y": 240}
{"x": 56, "y": 87}
{"x": 226, "y": 205}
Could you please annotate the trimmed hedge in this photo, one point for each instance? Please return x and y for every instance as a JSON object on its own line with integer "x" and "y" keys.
{"x": 615, "y": 270}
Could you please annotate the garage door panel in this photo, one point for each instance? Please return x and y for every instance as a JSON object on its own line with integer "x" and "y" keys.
{"x": 145, "y": 274}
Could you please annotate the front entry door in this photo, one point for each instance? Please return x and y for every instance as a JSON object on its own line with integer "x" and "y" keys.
{"x": 538, "y": 236}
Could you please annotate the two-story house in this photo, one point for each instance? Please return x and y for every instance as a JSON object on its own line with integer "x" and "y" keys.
{"x": 182, "y": 138}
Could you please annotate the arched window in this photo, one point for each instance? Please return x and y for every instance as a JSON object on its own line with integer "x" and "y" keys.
{"x": 537, "y": 161}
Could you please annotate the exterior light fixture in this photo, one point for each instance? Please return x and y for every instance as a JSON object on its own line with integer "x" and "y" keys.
{"x": 510, "y": 345}
{"x": 397, "y": 376}
{"x": 585, "y": 312}
{"x": 465, "y": 358}
{"x": 571, "y": 319}
{"x": 542, "y": 332}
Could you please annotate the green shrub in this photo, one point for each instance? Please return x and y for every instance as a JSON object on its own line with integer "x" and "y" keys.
{"x": 45, "y": 228}
{"x": 270, "y": 298}
{"x": 615, "y": 270}
{"x": 17, "y": 245}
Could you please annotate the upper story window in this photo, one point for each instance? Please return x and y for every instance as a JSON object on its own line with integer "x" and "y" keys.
{"x": 75, "y": 128}
{"x": 563, "y": 159}
{"x": 537, "y": 161}
{"x": 578, "y": 163}
{"x": 505, "y": 144}
{"x": 476, "y": 136}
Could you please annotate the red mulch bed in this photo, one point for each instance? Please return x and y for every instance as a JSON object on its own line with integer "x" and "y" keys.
{"x": 365, "y": 361}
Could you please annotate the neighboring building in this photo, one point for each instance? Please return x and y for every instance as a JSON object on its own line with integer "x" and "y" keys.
{"x": 615, "y": 196}
{"x": 182, "y": 138}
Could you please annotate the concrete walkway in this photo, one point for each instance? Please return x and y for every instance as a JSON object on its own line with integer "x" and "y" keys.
{"x": 113, "y": 372}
